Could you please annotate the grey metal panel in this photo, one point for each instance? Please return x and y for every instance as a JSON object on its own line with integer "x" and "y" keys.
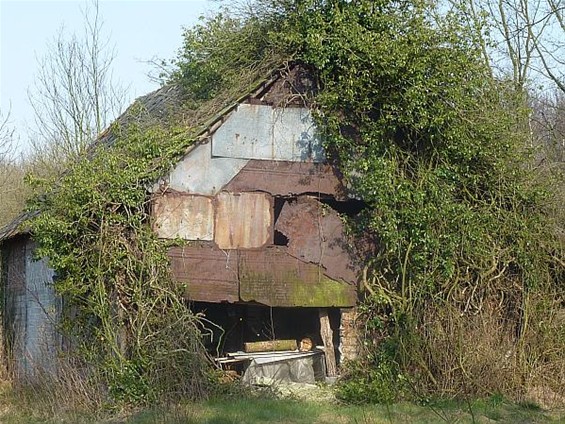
{"x": 264, "y": 132}
{"x": 186, "y": 216}
{"x": 42, "y": 305}
{"x": 243, "y": 220}
{"x": 199, "y": 173}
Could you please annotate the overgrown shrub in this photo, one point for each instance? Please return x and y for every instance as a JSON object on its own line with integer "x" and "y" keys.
{"x": 373, "y": 379}
{"x": 461, "y": 236}
{"x": 124, "y": 317}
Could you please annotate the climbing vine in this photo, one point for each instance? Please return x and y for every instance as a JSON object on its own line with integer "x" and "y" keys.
{"x": 123, "y": 317}
{"x": 460, "y": 242}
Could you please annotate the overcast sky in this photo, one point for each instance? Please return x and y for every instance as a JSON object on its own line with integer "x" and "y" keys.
{"x": 140, "y": 30}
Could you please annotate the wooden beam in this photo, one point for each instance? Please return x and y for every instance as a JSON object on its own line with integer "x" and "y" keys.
{"x": 327, "y": 338}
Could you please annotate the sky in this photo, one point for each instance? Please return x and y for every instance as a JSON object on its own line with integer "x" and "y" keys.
{"x": 139, "y": 31}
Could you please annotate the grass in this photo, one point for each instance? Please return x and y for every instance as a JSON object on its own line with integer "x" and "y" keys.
{"x": 16, "y": 410}
{"x": 298, "y": 412}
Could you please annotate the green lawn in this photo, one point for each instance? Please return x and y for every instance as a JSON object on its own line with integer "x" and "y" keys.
{"x": 287, "y": 411}
{"x": 26, "y": 408}
{"x": 227, "y": 411}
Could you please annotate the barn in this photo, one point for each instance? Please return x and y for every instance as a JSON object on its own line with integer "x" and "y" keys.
{"x": 260, "y": 213}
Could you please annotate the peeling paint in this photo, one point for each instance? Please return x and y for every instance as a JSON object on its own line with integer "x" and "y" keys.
{"x": 184, "y": 216}
{"x": 264, "y": 132}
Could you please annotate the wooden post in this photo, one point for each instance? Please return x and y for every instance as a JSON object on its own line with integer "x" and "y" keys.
{"x": 327, "y": 338}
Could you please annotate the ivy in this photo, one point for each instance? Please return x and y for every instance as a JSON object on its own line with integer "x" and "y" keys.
{"x": 460, "y": 232}
{"x": 459, "y": 224}
{"x": 126, "y": 320}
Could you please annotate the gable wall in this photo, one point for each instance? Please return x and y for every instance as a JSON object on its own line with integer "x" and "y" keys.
{"x": 229, "y": 195}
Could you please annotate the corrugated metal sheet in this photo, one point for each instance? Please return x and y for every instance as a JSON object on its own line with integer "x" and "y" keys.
{"x": 31, "y": 312}
{"x": 283, "y": 178}
{"x": 14, "y": 302}
{"x": 200, "y": 173}
{"x": 274, "y": 278}
{"x": 186, "y": 216}
{"x": 243, "y": 220}
{"x": 209, "y": 273}
{"x": 42, "y": 340}
{"x": 315, "y": 234}
{"x": 264, "y": 132}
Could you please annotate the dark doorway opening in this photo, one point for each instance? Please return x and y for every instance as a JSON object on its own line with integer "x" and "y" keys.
{"x": 226, "y": 326}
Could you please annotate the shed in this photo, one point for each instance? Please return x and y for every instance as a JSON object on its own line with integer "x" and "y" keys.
{"x": 261, "y": 212}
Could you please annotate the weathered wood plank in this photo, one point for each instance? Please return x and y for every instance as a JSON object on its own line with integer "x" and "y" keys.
{"x": 326, "y": 333}
{"x": 270, "y": 345}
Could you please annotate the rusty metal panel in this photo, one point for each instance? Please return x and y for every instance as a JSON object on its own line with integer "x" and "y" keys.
{"x": 272, "y": 277}
{"x": 200, "y": 173}
{"x": 264, "y": 132}
{"x": 283, "y": 178}
{"x": 209, "y": 273}
{"x": 243, "y": 220}
{"x": 189, "y": 217}
{"x": 315, "y": 234}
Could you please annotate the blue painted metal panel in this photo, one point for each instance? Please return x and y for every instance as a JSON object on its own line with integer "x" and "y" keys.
{"x": 264, "y": 132}
{"x": 42, "y": 340}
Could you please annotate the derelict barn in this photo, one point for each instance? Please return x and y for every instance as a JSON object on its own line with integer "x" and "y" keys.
{"x": 261, "y": 212}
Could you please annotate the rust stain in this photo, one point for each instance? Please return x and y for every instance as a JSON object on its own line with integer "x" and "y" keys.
{"x": 315, "y": 234}
{"x": 210, "y": 274}
{"x": 282, "y": 178}
{"x": 243, "y": 220}
{"x": 186, "y": 216}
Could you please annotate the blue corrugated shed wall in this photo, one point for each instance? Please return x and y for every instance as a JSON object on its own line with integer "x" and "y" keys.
{"x": 31, "y": 310}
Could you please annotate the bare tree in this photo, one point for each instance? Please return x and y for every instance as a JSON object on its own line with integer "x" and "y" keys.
{"x": 74, "y": 97}
{"x": 526, "y": 38}
{"x": 548, "y": 123}
{"x": 12, "y": 189}
{"x": 552, "y": 50}
{"x": 6, "y": 138}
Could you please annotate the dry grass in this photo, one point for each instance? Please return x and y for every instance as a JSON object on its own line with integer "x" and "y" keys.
{"x": 518, "y": 352}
